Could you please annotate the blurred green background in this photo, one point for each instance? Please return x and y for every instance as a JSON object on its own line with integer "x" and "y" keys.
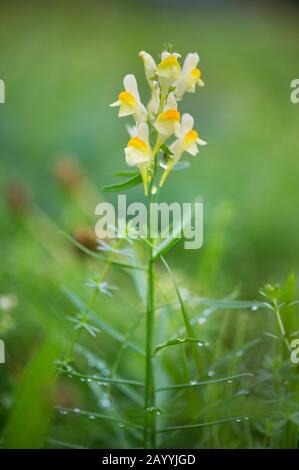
{"x": 63, "y": 63}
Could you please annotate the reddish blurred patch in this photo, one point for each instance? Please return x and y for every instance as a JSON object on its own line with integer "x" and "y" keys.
{"x": 68, "y": 172}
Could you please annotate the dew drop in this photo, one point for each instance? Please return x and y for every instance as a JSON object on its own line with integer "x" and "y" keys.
{"x": 193, "y": 382}
{"x": 89, "y": 380}
{"x": 105, "y": 403}
{"x": 243, "y": 392}
{"x": 238, "y": 420}
{"x": 63, "y": 412}
{"x": 76, "y": 410}
{"x": 239, "y": 353}
{"x": 154, "y": 190}
{"x": 82, "y": 380}
{"x": 154, "y": 411}
{"x": 202, "y": 320}
{"x": 92, "y": 417}
{"x": 211, "y": 373}
{"x": 229, "y": 381}
{"x": 254, "y": 308}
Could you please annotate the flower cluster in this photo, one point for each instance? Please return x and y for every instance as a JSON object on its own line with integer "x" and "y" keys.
{"x": 160, "y": 120}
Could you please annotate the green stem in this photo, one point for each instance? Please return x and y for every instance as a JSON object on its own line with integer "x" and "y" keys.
{"x": 281, "y": 327}
{"x": 149, "y": 391}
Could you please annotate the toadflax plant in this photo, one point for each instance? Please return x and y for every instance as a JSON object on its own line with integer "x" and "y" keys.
{"x": 191, "y": 374}
{"x": 179, "y": 392}
{"x": 158, "y": 139}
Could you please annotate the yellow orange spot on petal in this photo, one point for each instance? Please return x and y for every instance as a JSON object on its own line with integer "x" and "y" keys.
{"x": 190, "y": 137}
{"x": 138, "y": 144}
{"x": 170, "y": 115}
{"x": 169, "y": 61}
{"x": 127, "y": 98}
{"x": 196, "y": 73}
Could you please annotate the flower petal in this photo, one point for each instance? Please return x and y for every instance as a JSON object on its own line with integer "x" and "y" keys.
{"x": 190, "y": 62}
{"x": 187, "y": 123}
{"x": 130, "y": 85}
{"x": 171, "y": 102}
{"x": 143, "y": 132}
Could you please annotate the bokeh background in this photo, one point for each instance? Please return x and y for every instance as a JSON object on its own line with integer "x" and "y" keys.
{"x": 63, "y": 63}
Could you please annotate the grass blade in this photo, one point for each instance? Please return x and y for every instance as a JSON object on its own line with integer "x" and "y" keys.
{"x": 199, "y": 425}
{"x": 174, "y": 342}
{"x": 227, "y": 379}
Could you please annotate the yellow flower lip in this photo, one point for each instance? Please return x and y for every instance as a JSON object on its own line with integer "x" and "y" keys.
{"x": 190, "y": 137}
{"x": 127, "y": 98}
{"x": 138, "y": 144}
{"x": 196, "y": 73}
{"x": 170, "y": 115}
{"x": 169, "y": 61}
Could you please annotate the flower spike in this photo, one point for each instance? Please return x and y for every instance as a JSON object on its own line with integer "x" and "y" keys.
{"x": 160, "y": 121}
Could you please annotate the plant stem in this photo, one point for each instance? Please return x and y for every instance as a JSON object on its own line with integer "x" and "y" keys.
{"x": 281, "y": 327}
{"x": 149, "y": 392}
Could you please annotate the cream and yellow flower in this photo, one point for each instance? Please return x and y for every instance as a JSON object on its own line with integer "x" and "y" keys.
{"x": 169, "y": 67}
{"x": 138, "y": 151}
{"x": 190, "y": 76}
{"x": 187, "y": 141}
{"x": 129, "y": 100}
{"x": 167, "y": 122}
{"x": 150, "y": 68}
{"x": 187, "y": 137}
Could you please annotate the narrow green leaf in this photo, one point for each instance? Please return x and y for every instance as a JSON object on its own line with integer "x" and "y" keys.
{"x": 112, "y": 419}
{"x": 289, "y": 311}
{"x": 174, "y": 235}
{"x": 64, "y": 444}
{"x": 188, "y": 325}
{"x": 110, "y": 380}
{"x": 128, "y": 174}
{"x": 199, "y": 383}
{"x": 199, "y": 425}
{"x": 101, "y": 257}
{"x": 231, "y": 304}
{"x": 174, "y": 342}
{"x": 164, "y": 148}
{"x": 130, "y": 183}
{"x": 165, "y": 246}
